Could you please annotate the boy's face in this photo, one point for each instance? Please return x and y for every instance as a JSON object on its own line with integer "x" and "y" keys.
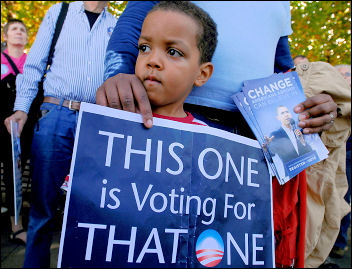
{"x": 168, "y": 61}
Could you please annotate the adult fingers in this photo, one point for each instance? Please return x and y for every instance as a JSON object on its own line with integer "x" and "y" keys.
{"x": 122, "y": 91}
{"x": 319, "y": 129}
{"x": 319, "y": 110}
{"x": 125, "y": 92}
{"x": 20, "y": 117}
{"x": 318, "y": 124}
{"x": 7, "y": 124}
{"x": 20, "y": 127}
{"x": 142, "y": 100}
{"x": 107, "y": 94}
{"x": 101, "y": 98}
{"x": 317, "y": 113}
{"x": 312, "y": 102}
{"x": 112, "y": 91}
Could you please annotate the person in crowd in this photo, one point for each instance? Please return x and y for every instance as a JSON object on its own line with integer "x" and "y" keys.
{"x": 326, "y": 180}
{"x": 74, "y": 75}
{"x": 253, "y": 43}
{"x": 340, "y": 248}
{"x": 12, "y": 62}
{"x": 300, "y": 59}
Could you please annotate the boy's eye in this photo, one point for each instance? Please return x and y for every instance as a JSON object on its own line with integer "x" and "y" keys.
{"x": 174, "y": 52}
{"x": 143, "y": 48}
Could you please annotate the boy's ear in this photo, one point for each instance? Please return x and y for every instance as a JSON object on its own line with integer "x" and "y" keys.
{"x": 205, "y": 72}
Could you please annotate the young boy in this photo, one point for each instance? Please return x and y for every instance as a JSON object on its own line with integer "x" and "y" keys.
{"x": 176, "y": 45}
{"x": 177, "y": 42}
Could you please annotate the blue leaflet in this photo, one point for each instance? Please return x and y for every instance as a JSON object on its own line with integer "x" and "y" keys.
{"x": 267, "y": 105}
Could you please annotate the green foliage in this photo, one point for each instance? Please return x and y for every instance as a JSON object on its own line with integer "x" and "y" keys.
{"x": 33, "y": 12}
{"x": 116, "y": 7}
{"x": 321, "y": 31}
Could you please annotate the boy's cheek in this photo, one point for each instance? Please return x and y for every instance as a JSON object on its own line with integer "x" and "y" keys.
{"x": 138, "y": 73}
{"x": 139, "y": 65}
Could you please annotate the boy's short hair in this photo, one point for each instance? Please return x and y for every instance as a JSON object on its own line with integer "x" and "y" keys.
{"x": 11, "y": 21}
{"x": 207, "y": 38}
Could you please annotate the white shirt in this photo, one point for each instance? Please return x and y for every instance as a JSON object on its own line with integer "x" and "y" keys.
{"x": 292, "y": 137}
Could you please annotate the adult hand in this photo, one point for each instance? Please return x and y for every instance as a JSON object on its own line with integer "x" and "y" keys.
{"x": 126, "y": 92}
{"x": 20, "y": 117}
{"x": 317, "y": 113}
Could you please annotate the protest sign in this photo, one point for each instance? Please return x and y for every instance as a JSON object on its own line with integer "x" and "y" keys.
{"x": 175, "y": 195}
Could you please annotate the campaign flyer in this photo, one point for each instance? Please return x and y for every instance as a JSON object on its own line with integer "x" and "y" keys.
{"x": 271, "y": 101}
{"x": 175, "y": 195}
{"x": 245, "y": 109}
{"x": 17, "y": 171}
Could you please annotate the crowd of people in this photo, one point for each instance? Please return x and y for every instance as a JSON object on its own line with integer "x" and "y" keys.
{"x": 180, "y": 61}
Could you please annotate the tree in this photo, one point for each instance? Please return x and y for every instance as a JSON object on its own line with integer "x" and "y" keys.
{"x": 321, "y": 30}
{"x": 33, "y": 12}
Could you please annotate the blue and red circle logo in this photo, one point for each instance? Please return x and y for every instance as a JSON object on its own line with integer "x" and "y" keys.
{"x": 209, "y": 248}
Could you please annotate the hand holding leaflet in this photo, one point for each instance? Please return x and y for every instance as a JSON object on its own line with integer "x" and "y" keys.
{"x": 283, "y": 142}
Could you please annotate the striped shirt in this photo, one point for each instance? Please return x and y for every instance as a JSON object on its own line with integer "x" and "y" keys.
{"x": 77, "y": 66}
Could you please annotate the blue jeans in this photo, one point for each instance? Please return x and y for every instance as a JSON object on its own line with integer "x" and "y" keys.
{"x": 341, "y": 241}
{"x": 52, "y": 148}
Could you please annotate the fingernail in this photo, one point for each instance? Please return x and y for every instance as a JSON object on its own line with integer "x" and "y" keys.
{"x": 149, "y": 123}
{"x": 299, "y": 108}
{"x": 302, "y": 124}
{"x": 302, "y": 117}
{"x": 306, "y": 131}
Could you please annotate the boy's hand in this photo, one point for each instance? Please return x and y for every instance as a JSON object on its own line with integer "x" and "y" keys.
{"x": 122, "y": 91}
{"x": 317, "y": 113}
